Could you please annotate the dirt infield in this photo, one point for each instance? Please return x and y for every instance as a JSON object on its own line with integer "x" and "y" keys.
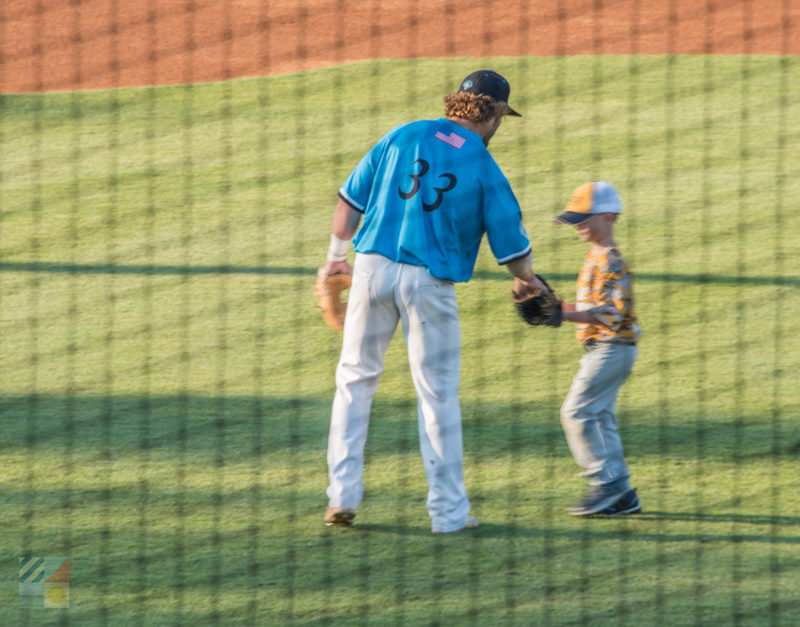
{"x": 49, "y": 45}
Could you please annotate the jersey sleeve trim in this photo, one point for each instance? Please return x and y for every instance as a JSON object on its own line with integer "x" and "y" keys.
{"x": 343, "y": 195}
{"x": 515, "y": 256}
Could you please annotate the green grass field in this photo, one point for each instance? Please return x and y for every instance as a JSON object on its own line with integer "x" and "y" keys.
{"x": 166, "y": 376}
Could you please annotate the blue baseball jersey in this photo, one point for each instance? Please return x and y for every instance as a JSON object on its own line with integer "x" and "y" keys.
{"x": 429, "y": 190}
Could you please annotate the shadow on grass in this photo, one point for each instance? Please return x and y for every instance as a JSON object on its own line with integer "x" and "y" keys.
{"x": 244, "y": 428}
{"x": 634, "y": 531}
{"x": 738, "y": 519}
{"x": 161, "y": 269}
{"x": 149, "y": 269}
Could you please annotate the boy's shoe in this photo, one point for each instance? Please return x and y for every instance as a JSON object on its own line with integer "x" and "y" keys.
{"x": 340, "y": 516}
{"x": 472, "y": 522}
{"x": 597, "y": 499}
{"x": 628, "y": 504}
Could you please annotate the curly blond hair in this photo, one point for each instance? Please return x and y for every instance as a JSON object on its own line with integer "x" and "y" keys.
{"x": 473, "y": 107}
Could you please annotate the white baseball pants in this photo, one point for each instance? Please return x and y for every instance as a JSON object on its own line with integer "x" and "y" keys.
{"x": 383, "y": 293}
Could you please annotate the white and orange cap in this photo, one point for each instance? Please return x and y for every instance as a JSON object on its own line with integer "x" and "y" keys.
{"x": 588, "y": 200}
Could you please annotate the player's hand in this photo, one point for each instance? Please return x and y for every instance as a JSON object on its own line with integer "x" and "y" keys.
{"x": 539, "y": 306}
{"x": 337, "y": 267}
{"x": 531, "y": 286}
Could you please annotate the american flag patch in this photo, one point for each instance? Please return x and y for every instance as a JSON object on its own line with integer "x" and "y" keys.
{"x": 452, "y": 139}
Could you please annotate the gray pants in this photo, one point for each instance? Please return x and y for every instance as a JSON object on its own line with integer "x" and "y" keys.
{"x": 587, "y": 413}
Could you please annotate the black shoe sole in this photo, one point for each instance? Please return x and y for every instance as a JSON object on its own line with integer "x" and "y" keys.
{"x": 624, "y": 512}
{"x": 599, "y": 508}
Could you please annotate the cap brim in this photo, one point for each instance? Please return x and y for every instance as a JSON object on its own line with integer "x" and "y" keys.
{"x": 572, "y": 217}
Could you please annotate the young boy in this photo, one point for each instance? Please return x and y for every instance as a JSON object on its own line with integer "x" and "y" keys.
{"x": 608, "y": 329}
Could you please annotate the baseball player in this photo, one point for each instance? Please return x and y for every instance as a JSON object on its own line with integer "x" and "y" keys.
{"x": 427, "y": 192}
{"x": 608, "y": 329}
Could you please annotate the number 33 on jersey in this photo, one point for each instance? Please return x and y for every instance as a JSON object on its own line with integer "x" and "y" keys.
{"x": 424, "y": 167}
{"x": 429, "y": 190}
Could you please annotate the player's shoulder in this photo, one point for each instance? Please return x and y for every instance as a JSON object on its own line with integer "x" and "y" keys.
{"x": 416, "y": 127}
{"x": 408, "y": 133}
{"x": 447, "y": 135}
{"x": 395, "y": 131}
{"x": 614, "y": 260}
{"x": 613, "y": 252}
{"x": 397, "y": 138}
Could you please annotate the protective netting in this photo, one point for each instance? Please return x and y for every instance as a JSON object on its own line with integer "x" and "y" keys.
{"x": 168, "y": 176}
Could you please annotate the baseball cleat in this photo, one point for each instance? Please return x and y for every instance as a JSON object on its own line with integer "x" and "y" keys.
{"x": 597, "y": 499}
{"x": 628, "y": 504}
{"x": 339, "y": 516}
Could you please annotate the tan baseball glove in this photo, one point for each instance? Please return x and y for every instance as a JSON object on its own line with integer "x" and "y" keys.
{"x": 328, "y": 290}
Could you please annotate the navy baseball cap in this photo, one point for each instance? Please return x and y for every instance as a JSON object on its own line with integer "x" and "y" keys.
{"x": 489, "y": 83}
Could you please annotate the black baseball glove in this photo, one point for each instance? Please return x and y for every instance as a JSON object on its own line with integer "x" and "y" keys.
{"x": 543, "y": 309}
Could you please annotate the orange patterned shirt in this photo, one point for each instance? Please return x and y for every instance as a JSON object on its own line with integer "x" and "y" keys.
{"x": 605, "y": 288}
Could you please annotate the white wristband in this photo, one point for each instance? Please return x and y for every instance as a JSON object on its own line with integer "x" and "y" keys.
{"x": 338, "y": 248}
